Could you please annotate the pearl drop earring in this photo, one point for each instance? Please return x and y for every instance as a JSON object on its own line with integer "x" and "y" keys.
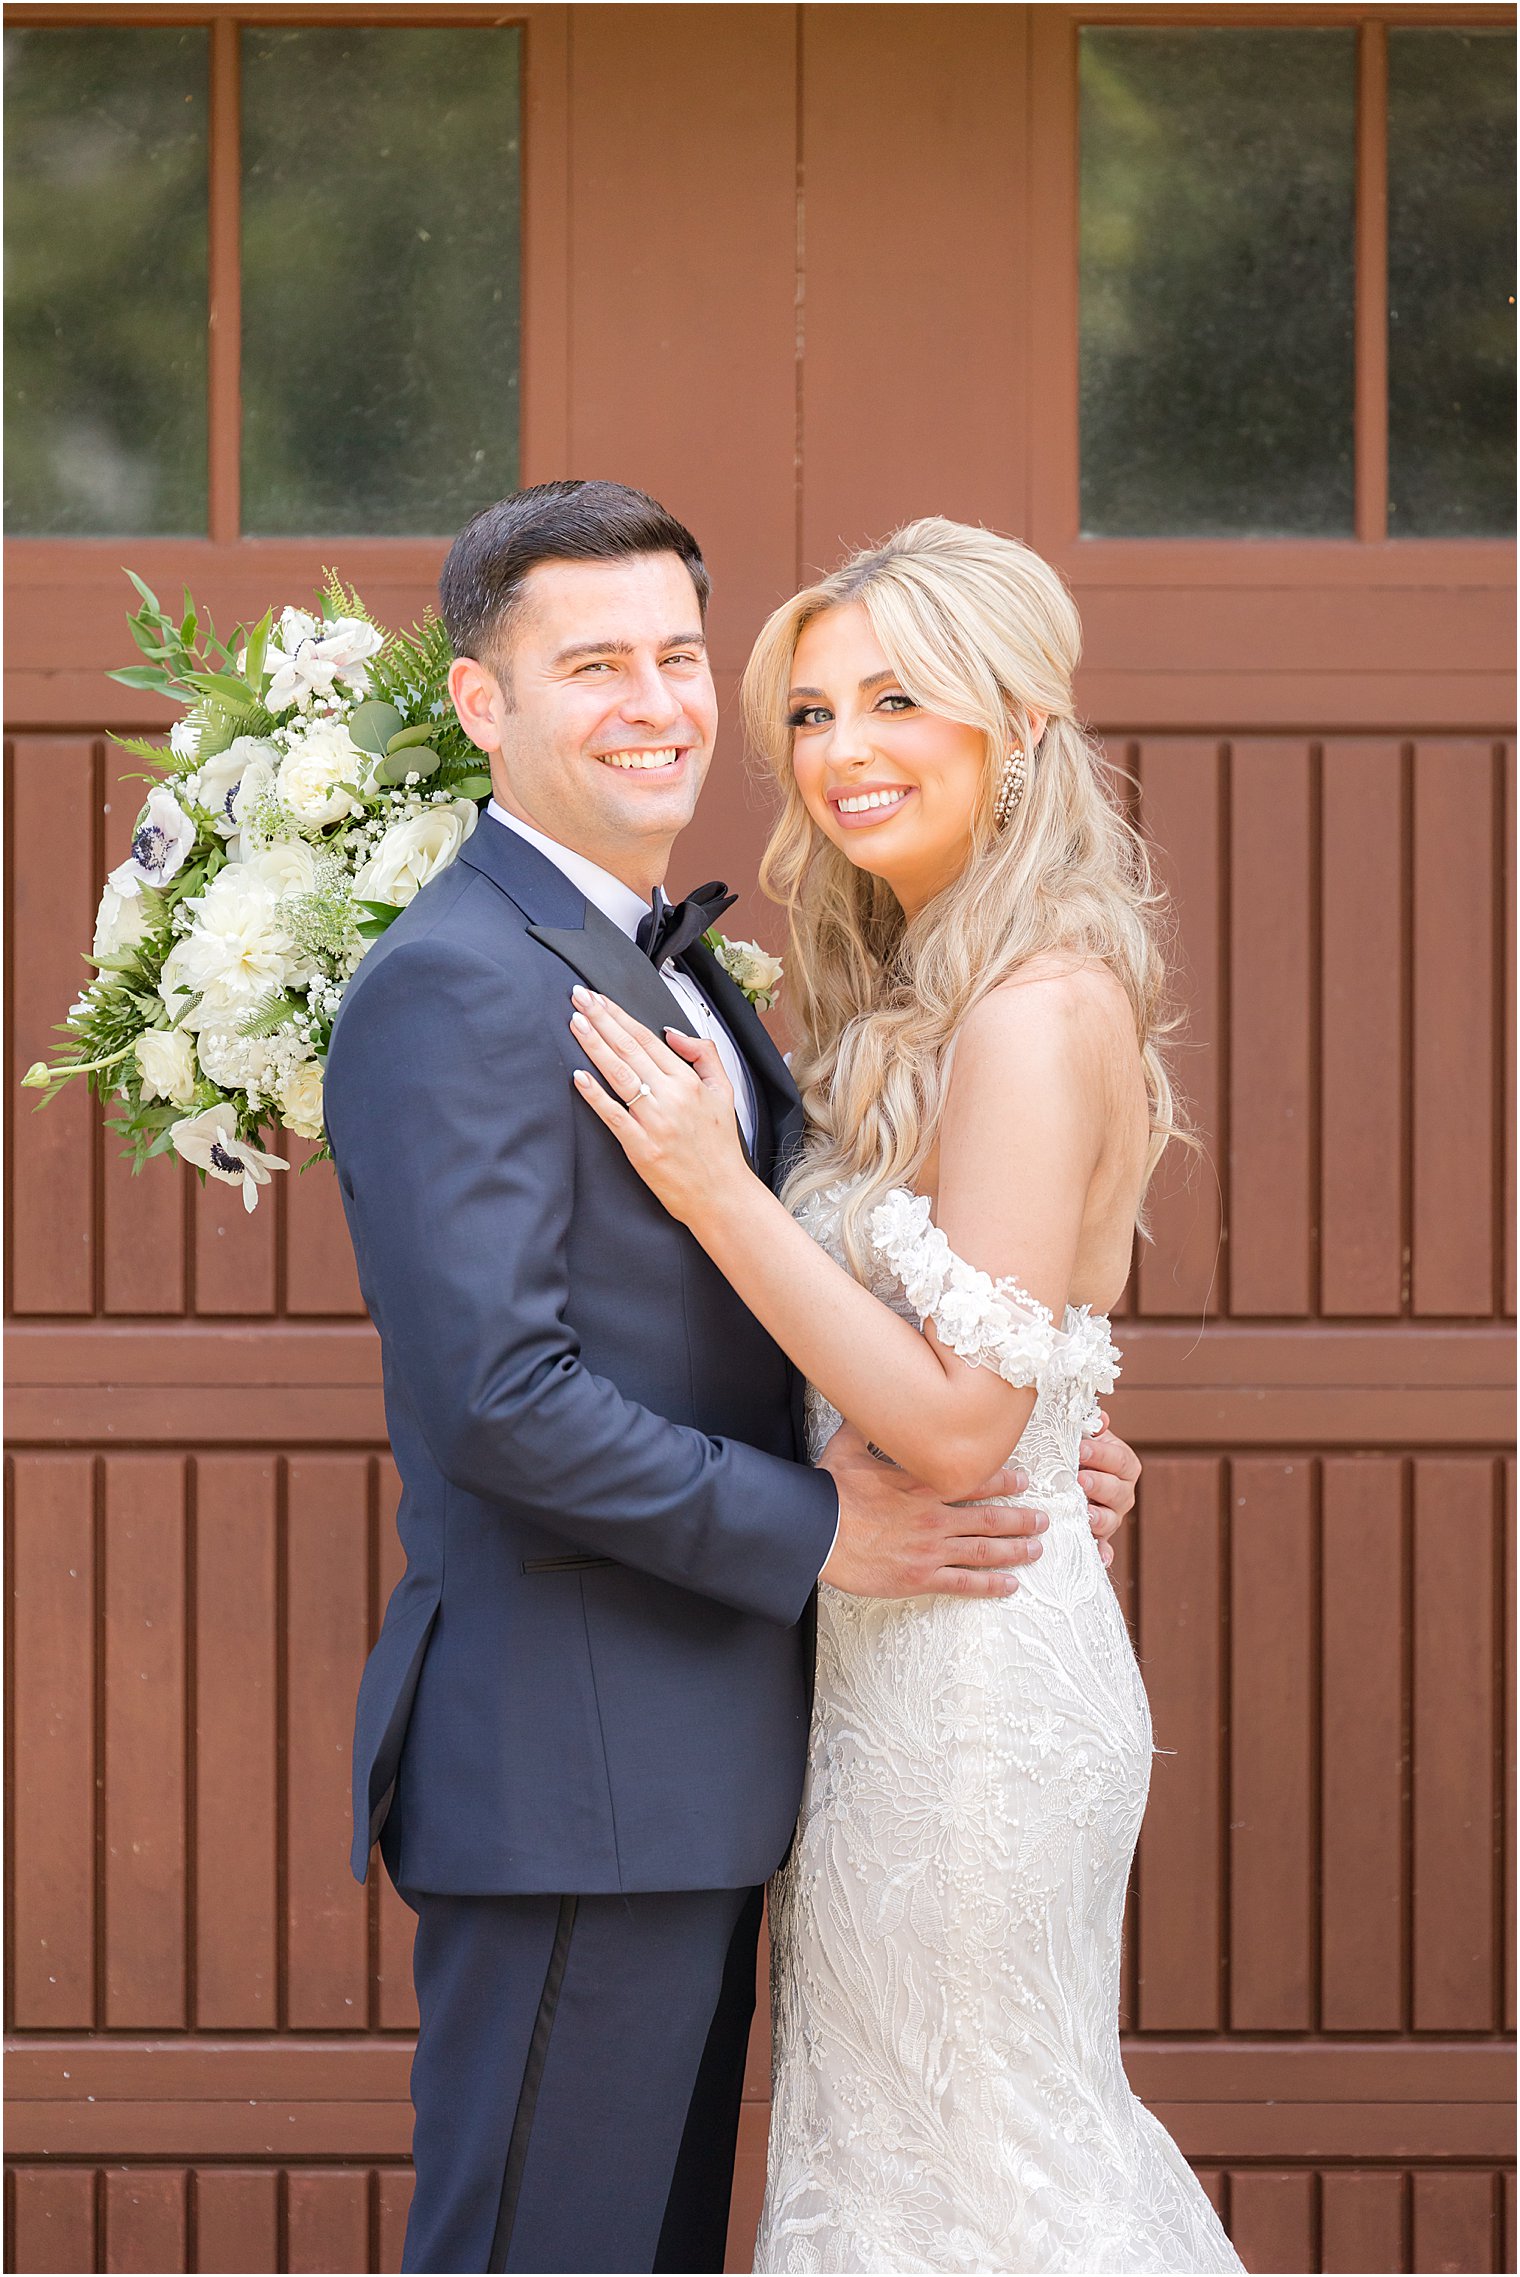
{"x": 1010, "y": 790}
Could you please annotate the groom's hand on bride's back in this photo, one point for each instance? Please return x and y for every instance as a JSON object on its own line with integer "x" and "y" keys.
{"x": 897, "y": 1539}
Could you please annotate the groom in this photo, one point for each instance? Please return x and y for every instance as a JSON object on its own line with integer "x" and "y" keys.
{"x": 581, "y": 1733}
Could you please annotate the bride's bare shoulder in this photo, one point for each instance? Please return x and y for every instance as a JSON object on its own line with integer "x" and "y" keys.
{"x": 1058, "y": 1002}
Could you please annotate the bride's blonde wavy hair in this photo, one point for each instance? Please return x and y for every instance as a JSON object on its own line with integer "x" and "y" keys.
{"x": 981, "y": 630}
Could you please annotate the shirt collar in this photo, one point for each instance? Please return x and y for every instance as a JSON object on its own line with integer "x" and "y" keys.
{"x": 615, "y": 900}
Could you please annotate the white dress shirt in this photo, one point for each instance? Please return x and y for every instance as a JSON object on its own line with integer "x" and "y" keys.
{"x": 627, "y": 911}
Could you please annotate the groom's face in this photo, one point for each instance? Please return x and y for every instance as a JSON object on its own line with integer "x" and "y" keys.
{"x": 599, "y": 713}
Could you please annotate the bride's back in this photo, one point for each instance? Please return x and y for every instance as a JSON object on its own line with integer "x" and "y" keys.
{"x": 1072, "y": 1012}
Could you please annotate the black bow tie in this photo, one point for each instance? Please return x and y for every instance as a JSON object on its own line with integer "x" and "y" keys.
{"x": 672, "y": 926}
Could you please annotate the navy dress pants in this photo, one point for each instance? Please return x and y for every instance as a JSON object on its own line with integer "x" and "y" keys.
{"x": 579, "y": 2069}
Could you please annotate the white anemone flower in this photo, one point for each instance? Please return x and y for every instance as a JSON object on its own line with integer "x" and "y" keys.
{"x": 164, "y": 836}
{"x": 210, "y": 1141}
{"x": 121, "y": 921}
{"x": 312, "y": 654}
{"x": 216, "y": 785}
{"x": 185, "y": 738}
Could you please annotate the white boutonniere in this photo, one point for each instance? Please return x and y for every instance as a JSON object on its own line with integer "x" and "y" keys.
{"x": 751, "y": 968}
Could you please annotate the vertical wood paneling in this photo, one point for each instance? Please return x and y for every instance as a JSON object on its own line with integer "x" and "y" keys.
{"x": 145, "y": 2219}
{"x": 143, "y": 1218}
{"x": 1180, "y": 1930}
{"x": 52, "y": 1731}
{"x": 1183, "y": 1269}
{"x": 1507, "y": 1754}
{"x": 1363, "y": 1755}
{"x": 328, "y": 2215}
{"x": 654, "y": 283}
{"x": 237, "y": 2220}
{"x": 651, "y": 268}
{"x": 327, "y": 1552}
{"x": 1362, "y": 2220}
{"x": 1272, "y": 2219}
{"x": 1272, "y": 1700}
{"x": 1363, "y": 1079}
{"x": 1271, "y": 1028}
{"x": 236, "y": 1250}
{"x": 949, "y": 435}
{"x": 144, "y": 1597}
{"x": 395, "y": 2000}
{"x": 1454, "y": 1041}
{"x": 1455, "y": 2222}
{"x": 319, "y": 1258}
{"x": 1453, "y": 1736}
{"x": 236, "y": 1927}
{"x": 393, "y": 2188}
{"x": 54, "y": 2219}
{"x": 52, "y": 1221}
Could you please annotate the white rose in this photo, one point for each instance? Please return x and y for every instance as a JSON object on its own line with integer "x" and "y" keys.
{"x": 287, "y": 866}
{"x": 300, "y": 1098}
{"x": 313, "y": 770}
{"x": 121, "y": 921}
{"x": 166, "y": 1058}
{"x": 312, "y": 653}
{"x": 216, "y": 785}
{"x": 413, "y": 851}
{"x": 184, "y": 738}
{"x": 236, "y": 954}
{"x": 752, "y": 968}
{"x": 161, "y": 842}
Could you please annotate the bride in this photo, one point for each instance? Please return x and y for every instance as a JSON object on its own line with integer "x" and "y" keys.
{"x": 973, "y": 987}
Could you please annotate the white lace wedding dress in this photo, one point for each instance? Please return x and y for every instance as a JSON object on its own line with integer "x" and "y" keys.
{"x": 948, "y": 2093}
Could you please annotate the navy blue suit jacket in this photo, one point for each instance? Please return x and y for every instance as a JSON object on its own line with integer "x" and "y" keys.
{"x": 591, "y": 1675}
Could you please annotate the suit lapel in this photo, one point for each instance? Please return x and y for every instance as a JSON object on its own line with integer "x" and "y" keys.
{"x": 780, "y": 1109}
{"x": 609, "y": 962}
{"x": 560, "y": 916}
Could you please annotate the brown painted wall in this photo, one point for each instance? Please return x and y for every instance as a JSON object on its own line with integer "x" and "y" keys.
{"x": 209, "y": 2019}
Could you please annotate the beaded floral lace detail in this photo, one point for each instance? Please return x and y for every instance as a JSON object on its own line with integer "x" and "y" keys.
{"x": 948, "y": 2093}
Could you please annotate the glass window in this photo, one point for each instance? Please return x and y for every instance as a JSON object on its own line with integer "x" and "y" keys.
{"x": 105, "y": 242}
{"x": 1217, "y": 280}
{"x": 1451, "y": 282}
{"x": 380, "y": 276}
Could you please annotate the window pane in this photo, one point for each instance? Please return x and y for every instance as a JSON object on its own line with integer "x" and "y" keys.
{"x": 380, "y": 276}
{"x": 1451, "y": 283}
{"x": 105, "y": 246}
{"x": 1217, "y": 236}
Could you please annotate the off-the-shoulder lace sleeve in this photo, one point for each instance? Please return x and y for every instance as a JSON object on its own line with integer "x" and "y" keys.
{"x": 992, "y": 1324}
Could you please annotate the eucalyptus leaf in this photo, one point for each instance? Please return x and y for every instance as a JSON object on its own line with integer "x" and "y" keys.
{"x": 142, "y": 676}
{"x": 373, "y": 725}
{"x": 471, "y": 787}
{"x": 418, "y": 760}
{"x": 410, "y": 736}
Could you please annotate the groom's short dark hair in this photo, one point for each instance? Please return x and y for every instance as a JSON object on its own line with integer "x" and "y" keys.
{"x": 554, "y": 521}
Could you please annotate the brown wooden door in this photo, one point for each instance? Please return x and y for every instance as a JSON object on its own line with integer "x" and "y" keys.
{"x": 803, "y": 274}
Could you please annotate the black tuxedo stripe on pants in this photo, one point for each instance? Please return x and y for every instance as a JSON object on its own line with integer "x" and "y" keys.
{"x": 605, "y": 2040}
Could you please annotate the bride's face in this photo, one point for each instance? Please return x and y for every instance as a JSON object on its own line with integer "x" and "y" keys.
{"x": 894, "y": 787}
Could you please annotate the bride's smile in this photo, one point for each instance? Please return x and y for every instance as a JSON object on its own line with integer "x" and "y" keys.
{"x": 895, "y": 784}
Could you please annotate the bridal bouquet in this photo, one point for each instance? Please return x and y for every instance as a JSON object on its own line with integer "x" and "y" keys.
{"x": 318, "y": 778}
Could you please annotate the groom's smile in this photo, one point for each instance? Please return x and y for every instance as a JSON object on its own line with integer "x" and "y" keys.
{"x": 597, "y": 707}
